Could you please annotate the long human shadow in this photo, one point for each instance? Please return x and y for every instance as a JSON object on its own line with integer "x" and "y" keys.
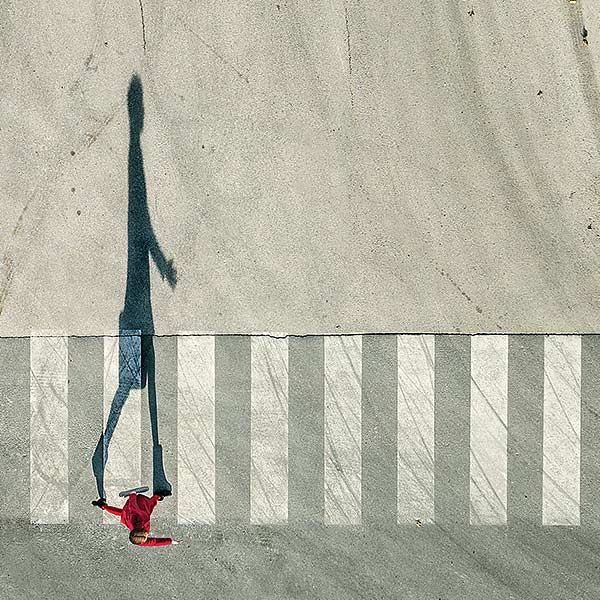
{"x": 137, "y": 309}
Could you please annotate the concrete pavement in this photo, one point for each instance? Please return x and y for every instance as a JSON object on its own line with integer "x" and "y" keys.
{"x": 346, "y": 167}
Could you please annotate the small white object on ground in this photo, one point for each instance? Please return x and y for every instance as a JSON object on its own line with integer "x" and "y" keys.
{"x": 135, "y": 490}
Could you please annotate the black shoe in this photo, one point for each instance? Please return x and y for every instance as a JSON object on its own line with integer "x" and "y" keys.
{"x": 162, "y": 494}
{"x": 100, "y": 502}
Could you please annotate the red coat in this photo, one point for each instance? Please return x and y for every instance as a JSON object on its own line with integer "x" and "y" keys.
{"x": 136, "y": 515}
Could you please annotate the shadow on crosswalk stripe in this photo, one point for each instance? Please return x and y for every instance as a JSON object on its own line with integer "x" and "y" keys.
{"x": 341, "y": 430}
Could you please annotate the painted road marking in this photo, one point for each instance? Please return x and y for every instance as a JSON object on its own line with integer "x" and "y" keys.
{"x": 562, "y": 424}
{"x": 122, "y": 415}
{"x": 319, "y": 437}
{"x": 269, "y": 423}
{"x": 49, "y": 488}
{"x": 196, "y": 429}
{"x": 489, "y": 406}
{"x": 416, "y": 428}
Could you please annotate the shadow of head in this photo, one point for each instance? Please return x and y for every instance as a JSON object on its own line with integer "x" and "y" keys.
{"x": 135, "y": 104}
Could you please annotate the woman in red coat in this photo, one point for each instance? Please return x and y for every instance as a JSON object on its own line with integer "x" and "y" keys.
{"x": 135, "y": 515}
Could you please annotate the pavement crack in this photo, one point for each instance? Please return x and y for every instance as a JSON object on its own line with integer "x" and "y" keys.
{"x": 349, "y": 53}
{"x": 143, "y": 24}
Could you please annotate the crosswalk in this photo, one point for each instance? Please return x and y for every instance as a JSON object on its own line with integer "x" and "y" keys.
{"x": 340, "y": 430}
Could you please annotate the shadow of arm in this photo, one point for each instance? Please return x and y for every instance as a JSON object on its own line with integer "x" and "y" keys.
{"x": 166, "y": 268}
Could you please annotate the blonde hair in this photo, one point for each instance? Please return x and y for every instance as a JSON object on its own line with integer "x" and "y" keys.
{"x": 138, "y": 536}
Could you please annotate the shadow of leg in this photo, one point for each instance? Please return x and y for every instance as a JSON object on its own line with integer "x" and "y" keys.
{"x": 129, "y": 378}
{"x": 98, "y": 463}
{"x": 159, "y": 481}
{"x": 100, "y": 457}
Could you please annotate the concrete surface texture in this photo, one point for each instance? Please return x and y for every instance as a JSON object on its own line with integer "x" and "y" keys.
{"x": 311, "y": 167}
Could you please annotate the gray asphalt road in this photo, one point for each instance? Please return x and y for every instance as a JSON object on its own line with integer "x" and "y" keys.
{"x": 336, "y": 541}
{"x": 310, "y": 562}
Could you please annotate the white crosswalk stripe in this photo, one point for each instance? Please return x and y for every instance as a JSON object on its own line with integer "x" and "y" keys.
{"x": 48, "y": 426}
{"x": 489, "y": 435}
{"x": 269, "y": 436}
{"x": 269, "y": 426}
{"x": 196, "y": 429}
{"x": 122, "y": 401}
{"x": 415, "y": 428}
{"x": 562, "y": 413}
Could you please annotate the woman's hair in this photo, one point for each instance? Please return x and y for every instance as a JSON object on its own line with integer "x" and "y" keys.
{"x": 138, "y": 536}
